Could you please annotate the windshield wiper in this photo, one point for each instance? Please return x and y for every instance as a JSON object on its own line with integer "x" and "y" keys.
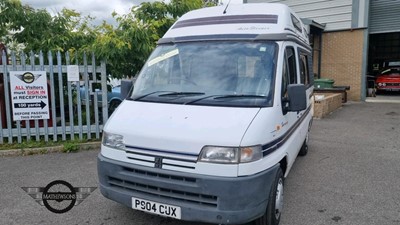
{"x": 240, "y": 96}
{"x": 179, "y": 94}
{"x": 144, "y": 96}
{"x": 226, "y": 96}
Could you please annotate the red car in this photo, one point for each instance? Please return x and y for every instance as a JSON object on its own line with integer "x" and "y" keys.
{"x": 389, "y": 80}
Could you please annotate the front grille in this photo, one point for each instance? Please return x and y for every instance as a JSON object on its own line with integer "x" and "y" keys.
{"x": 161, "y": 159}
{"x": 164, "y": 193}
{"x": 160, "y": 176}
{"x": 392, "y": 84}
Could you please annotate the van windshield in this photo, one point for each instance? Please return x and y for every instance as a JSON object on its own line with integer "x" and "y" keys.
{"x": 231, "y": 73}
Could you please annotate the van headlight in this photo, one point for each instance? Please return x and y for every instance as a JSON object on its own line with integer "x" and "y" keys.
{"x": 230, "y": 155}
{"x": 113, "y": 140}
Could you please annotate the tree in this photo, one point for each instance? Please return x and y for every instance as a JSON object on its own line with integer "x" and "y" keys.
{"x": 65, "y": 31}
{"x": 11, "y": 12}
{"x": 37, "y": 29}
{"x": 127, "y": 46}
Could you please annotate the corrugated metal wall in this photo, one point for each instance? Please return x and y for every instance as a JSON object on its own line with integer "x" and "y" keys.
{"x": 384, "y": 16}
{"x": 337, "y": 14}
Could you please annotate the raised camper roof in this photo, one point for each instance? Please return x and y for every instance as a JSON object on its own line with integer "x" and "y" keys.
{"x": 255, "y": 21}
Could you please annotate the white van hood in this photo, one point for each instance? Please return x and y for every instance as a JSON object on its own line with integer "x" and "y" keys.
{"x": 179, "y": 128}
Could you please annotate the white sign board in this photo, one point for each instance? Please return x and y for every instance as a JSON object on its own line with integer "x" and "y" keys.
{"x": 72, "y": 73}
{"x": 29, "y": 95}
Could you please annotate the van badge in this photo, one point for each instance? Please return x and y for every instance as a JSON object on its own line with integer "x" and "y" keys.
{"x": 158, "y": 162}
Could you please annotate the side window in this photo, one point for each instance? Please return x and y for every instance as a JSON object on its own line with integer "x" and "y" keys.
{"x": 296, "y": 23}
{"x": 304, "y": 71}
{"x": 291, "y": 61}
{"x": 310, "y": 69}
{"x": 289, "y": 74}
{"x": 285, "y": 78}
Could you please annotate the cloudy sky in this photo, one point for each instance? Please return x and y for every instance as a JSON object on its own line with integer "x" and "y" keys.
{"x": 101, "y": 9}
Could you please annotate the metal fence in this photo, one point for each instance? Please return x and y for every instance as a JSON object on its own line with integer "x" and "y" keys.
{"x": 78, "y": 109}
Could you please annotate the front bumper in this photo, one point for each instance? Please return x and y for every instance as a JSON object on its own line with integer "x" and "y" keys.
{"x": 202, "y": 198}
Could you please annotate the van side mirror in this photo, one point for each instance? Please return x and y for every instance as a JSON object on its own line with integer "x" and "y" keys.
{"x": 297, "y": 98}
{"x": 126, "y": 86}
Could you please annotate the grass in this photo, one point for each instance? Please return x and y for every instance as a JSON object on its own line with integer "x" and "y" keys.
{"x": 69, "y": 145}
{"x": 28, "y": 144}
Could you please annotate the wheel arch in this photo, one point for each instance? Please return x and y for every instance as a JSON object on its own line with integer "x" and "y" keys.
{"x": 114, "y": 100}
{"x": 283, "y": 163}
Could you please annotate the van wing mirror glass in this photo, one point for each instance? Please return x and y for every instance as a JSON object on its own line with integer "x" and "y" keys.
{"x": 297, "y": 97}
{"x": 126, "y": 86}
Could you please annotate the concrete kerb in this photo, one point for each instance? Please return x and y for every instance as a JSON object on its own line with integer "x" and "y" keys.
{"x": 45, "y": 150}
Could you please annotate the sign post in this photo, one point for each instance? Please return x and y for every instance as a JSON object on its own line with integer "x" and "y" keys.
{"x": 29, "y": 95}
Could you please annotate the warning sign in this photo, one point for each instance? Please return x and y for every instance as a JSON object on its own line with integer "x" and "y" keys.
{"x": 29, "y": 95}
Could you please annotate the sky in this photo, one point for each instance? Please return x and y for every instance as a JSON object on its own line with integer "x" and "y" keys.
{"x": 101, "y": 9}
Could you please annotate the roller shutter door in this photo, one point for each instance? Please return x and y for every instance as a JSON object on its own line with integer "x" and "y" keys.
{"x": 384, "y": 16}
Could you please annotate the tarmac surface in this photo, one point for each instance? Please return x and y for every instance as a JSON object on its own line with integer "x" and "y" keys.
{"x": 350, "y": 176}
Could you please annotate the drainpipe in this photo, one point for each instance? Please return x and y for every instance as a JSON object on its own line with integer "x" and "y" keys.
{"x": 319, "y": 54}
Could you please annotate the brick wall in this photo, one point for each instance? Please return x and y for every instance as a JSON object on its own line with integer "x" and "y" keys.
{"x": 342, "y": 60}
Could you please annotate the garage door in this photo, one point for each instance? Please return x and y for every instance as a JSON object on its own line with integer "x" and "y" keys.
{"x": 384, "y": 16}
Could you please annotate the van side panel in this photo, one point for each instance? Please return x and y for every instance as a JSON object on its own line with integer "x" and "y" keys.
{"x": 280, "y": 135}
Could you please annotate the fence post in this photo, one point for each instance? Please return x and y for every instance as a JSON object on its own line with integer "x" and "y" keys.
{"x": 53, "y": 95}
{"x": 104, "y": 91}
{"x": 1, "y": 116}
{"x": 95, "y": 106}
{"x": 45, "y": 124}
{"x": 61, "y": 94}
{"x": 18, "y": 122}
{"x": 78, "y": 102}
{"x": 7, "y": 97}
{"x": 27, "y": 123}
{"x": 87, "y": 102}
{"x": 36, "y": 122}
{"x": 70, "y": 102}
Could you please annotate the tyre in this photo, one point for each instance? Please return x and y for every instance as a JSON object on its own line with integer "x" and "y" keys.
{"x": 304, "y": 148}
{"x": 272, "y": 214}
{"x": 113, "y": 105}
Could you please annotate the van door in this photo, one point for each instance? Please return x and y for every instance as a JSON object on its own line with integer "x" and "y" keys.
{"x": 290, "y": 75}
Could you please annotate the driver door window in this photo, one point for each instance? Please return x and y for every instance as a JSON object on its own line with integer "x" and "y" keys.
{"x": 289, "y": 74}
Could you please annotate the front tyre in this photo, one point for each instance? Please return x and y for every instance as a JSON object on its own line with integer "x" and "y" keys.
{"x": 304, "y": 148}
{"x": 272, "y": 215}
{"x": 113, "y": 106}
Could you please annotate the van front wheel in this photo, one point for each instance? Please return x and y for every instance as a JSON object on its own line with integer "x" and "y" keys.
{"x": 304, "y": 148}
{"x": 272, "y": 215}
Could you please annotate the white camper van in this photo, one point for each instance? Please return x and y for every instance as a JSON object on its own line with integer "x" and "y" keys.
{"x": 216, "y": 118}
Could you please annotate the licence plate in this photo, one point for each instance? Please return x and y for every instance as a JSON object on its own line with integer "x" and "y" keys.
{"x": 156, "y": 208}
